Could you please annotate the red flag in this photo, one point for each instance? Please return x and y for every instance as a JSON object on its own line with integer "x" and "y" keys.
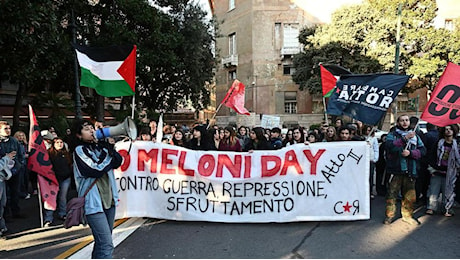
{"x": 40, "y": 163}
{"x": 444, "y": 105}
{"x": 328, "y": 81}
{"x": 235, "y": 98}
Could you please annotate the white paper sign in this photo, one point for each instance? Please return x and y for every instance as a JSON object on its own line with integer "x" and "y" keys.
{"x": 270, "y": 121}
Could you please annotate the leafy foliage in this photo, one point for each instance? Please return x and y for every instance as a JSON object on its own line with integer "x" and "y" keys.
{"x": 174, "y": 41}
{"x": 307, "y": 73}
{"x": 368, "y": 32}
{"x": 174, "y": 47}
{"x": 32, "y": 41}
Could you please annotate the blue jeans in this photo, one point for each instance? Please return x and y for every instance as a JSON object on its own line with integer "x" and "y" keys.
{"x": 371, "y": 176}
{"x": 2, "y": 203}
{"x": 48, "y": 215}
{"x": 61, "y": 201}
{"x": 62, "y": 196}
{"x": 437, "y": 185}
{"x": 101, "y": 225}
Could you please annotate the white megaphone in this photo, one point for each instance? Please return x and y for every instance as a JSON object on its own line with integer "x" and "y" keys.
{"x": 126, "y": 128}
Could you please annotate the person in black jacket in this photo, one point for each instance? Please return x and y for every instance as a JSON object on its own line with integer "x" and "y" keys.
{"x": 200, "y": 140}
{"x": 61, "y": 160}
{"x": 275, "y": 138}
{"x": 258, "y": 140}
{"x": 381, "y": 179}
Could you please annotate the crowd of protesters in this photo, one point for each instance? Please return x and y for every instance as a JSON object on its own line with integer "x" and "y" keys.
{"x": 433, "y": 158}
{"x": 427, "y": 155}
{"x": 204, "y": 137}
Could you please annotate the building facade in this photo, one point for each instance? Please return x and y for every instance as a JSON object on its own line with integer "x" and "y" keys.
{"x": 257, "y": 42}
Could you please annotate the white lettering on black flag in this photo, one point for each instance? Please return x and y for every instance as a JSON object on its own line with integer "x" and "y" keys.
{"x": 365, "y": 97}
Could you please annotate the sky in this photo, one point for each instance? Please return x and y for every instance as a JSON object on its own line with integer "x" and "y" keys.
{"x": 323, "y": 9}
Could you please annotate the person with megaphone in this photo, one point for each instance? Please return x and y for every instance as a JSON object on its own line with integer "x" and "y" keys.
{"x": 94, "y": 162}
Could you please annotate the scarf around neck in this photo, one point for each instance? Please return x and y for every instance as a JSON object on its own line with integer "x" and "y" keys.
{"x": 403, "y": 133}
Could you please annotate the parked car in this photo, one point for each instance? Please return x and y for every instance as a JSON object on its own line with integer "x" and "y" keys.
{"x": 422, "y": 126}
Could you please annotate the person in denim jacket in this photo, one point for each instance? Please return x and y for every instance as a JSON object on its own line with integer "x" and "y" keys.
{"x": 93, "y": 160}
{"x": 6, "y": 163}
{"x": 9, "y": 144}
{"x": 404, "y": 148}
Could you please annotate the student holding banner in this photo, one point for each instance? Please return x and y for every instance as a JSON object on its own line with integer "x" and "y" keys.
{"x": 258, "y": 140}
{"x": 230, "y": 142}
{"x": 200, "y": 140}
{"x": 403, "y": 149}
{"x": 298, "y": 136}
{"x": 344, "y": 134}
{"x": 243, "y": 137}
{"x": 331, "y": 134}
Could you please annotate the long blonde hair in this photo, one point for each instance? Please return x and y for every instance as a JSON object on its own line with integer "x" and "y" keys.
{"x": 16, "y": 135}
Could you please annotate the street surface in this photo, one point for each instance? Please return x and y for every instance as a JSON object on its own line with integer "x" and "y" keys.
{"x": 436, "y": 237}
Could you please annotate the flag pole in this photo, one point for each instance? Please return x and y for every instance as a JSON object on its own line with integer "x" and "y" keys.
{"x": 325, "y": 111}
{"x": 371, "y": 132}
{"x": 214, "y": 116}
{"x": 134, "y": 103}
{"x": 223, "y": 101}
{"x": 40, "y": 202}
{"x": 78, "y": 114}
{"x": 159, "y": 136}
{"x": 415, "y": 128}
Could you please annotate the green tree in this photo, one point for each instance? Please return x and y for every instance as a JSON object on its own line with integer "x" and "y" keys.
{"x": 371, "y": 28}
{"x": 32, "y": 46}
{"x": 174, "y": 46}
{"x": 307, "y": 73}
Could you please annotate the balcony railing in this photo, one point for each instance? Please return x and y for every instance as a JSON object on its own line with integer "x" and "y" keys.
{"x": 231, "y": 60}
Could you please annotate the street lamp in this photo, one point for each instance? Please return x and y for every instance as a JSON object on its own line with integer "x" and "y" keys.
{"x": 78, "y": 114}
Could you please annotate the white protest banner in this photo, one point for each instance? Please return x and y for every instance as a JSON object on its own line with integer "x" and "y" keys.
{"x": 320, "y": 181}
{"x": 270, "y": 121}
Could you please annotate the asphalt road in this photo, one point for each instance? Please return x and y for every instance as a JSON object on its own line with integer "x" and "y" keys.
{"x": 436, "y": 237}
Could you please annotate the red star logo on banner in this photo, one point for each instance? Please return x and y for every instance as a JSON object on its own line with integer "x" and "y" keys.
{"x": 347, "y": 207}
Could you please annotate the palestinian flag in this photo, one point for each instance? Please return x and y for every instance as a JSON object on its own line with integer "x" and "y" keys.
{"x": 329, "y": 75}
{"x": 111, "y": 71}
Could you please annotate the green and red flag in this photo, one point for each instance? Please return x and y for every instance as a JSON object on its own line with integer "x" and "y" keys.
{"x": 111, "y": 71}
{"x": 329, "y": 75}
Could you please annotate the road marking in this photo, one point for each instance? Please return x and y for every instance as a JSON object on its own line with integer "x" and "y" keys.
{"x": 123, "y": 228}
